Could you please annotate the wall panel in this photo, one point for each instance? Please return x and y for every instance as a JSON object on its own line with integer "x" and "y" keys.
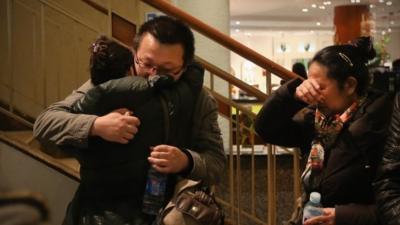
{"x": 26, "y": 52}
{"x": 45, "y": 48}
{"x": 5, "y": 61}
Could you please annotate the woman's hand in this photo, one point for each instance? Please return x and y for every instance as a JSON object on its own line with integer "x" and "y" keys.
{"x": 327, "y": 218}
{"x": 309, "y": 92}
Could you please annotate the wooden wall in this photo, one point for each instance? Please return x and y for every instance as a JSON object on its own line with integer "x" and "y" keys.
{"x": 44, "y": 47}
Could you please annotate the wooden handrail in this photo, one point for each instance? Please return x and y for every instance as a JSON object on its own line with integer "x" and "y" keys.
{"x": 222, "y": 38}
{"x": 96, "y": 6}
{"x": 261, "y": 96}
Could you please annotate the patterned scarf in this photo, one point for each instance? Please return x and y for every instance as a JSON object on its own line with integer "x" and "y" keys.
{"x": 327, "y": 129}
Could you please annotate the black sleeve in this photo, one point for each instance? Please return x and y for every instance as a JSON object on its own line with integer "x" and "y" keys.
{"x": 353, "y": 214}
{"x": 275, "y": 123}
{"x": 128, "y": 92}
{"x": 387, "y": 186}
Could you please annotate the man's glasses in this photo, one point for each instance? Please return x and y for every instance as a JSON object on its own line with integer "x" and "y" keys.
{"x": 160, "y": 70}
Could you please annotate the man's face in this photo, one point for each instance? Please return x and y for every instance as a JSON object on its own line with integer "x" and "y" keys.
{"x": 153, "y": 58}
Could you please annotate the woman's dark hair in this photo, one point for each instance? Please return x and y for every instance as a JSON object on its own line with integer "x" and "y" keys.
{"x": 168, "y": 30}
{"x": 299, "y": 69}
{"x": 108, "y": 60}
{"x": 343, "y": 61}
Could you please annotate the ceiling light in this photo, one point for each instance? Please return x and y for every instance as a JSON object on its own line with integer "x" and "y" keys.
{"x": 383, "y": 32}
{"x": 391, "y": 22}
{"x": 305, "y": 10}
{"x": 381, "y": 1}
{"x": 390, "y": 30}
{"x": 237, "y": 22}
{"x": 389, "y": 3}
{"x": 318, "y": 23}
{"x": 372, "y": 6}
{"x": 314, "y": 5}
{"x": 322, "y": 7}
{"x": 327, "y": 3}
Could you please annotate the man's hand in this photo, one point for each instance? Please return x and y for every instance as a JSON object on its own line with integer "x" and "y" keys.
{"x": 118, "y": 126}
{"x": 327, "y": 218}
{"x": 168, "y": 159}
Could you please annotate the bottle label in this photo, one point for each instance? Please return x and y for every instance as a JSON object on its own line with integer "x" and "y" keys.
{"x": 153, "y": 198}
{"x": 156, "y": 187}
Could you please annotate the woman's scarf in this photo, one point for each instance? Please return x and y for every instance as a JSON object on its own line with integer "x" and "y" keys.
{"x": 327, "y": 129}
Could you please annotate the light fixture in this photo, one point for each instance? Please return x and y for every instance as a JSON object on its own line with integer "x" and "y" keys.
{"x": 389, "y": 3}
{"x": 314, "y": 5}
{"x": 305, "y": 10}
{"x": 381, "y": 1}
{"x": 389, "y": 30}
{"x": 237, "y": 30}
{"x": 322, "y": 7}
{"x": 248, "y": 34}
{"x": 318, "y": 23}
{"x": 307, "y": 47}
{"x": 283, "y": 47}
{"x": 371, "y": 6}
{"x": 237, "y": 22}
{"x": 392, "y": 22}
{"x": 327, "y": 2}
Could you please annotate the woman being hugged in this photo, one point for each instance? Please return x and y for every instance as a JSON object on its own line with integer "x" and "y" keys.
{"x": 342, "y": 123}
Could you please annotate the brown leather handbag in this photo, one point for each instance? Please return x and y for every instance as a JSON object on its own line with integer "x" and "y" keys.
{"x": 191, "y": 205}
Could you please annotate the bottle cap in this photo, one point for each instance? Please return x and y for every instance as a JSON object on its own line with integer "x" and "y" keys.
{"x": 315, "y": 197}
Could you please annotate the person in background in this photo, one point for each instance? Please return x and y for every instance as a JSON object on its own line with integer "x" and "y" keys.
{"x": 299, "y": 69}
{"x": 162, "y": 46}
{"x": 344, "y": 123}
{"x": 396, "y": 65}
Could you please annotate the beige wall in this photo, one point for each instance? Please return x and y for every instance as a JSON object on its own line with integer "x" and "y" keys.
{"x": 19, "y": 171}
{"x": 268, "y": 44}
{"x": 45, "y": 46}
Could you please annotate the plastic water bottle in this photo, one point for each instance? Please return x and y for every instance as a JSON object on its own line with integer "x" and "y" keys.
{"x": 154, "y": 194}
{"x": 313, "y": 207}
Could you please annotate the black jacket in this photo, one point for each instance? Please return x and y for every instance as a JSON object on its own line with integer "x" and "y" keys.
{"x": 387, "y": 186}
{"x": 350, "y": 164}
{"x": 113, "y": 175}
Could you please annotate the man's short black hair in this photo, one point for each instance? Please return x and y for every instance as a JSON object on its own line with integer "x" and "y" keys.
{"x": 168, "y": 30}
